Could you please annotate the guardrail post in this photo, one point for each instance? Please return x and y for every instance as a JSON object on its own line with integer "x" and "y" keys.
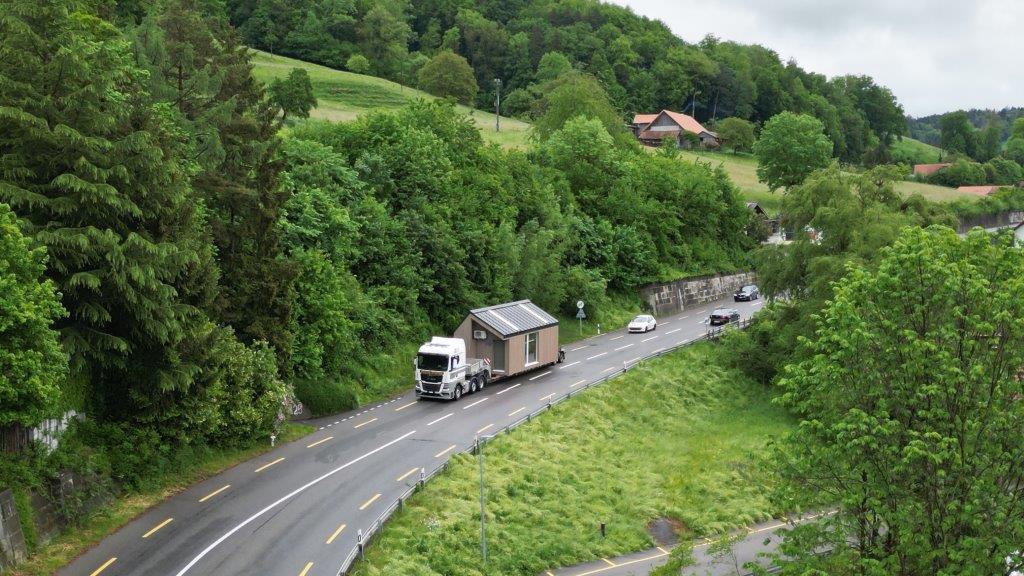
{"x": 359, "y": 542}
{"x": 423, "y": 474}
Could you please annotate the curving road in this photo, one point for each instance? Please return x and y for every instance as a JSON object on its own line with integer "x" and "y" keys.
{"x": 297, "y": 509}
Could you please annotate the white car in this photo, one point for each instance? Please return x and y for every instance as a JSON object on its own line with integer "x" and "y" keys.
{"x": 643, "y": 323}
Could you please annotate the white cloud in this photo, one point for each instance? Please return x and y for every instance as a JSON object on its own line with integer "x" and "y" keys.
{"x": 935, "y": 55}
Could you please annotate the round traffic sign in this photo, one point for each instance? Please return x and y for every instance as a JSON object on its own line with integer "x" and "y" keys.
{"x": 579, "y": 304}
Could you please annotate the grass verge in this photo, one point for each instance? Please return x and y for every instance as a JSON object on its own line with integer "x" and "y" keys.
{"x": 680, "y": 437}
{"x": 615, "y": 314}
{"x": 108, "y": 519}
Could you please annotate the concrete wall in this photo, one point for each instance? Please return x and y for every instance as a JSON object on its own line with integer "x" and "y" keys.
{"x": 672, "y": 297}
{"x": 999, "y": 220}
{"x": 12, "y": 542}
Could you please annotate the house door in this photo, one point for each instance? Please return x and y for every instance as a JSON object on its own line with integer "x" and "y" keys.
{"x": 498, "y": 361}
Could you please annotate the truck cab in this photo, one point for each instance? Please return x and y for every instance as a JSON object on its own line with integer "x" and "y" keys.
{"x": 444, "y": 371}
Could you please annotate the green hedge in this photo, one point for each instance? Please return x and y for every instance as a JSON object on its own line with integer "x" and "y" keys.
{"x": 326, "y": 396}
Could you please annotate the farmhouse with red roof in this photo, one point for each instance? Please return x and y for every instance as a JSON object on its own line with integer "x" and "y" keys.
{"x": 652, "y": 129}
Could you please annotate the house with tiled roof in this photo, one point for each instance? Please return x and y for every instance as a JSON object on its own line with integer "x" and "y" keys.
{"x": 652, "y": 129}
{"x": 987, "y": 190}
{"x": 929, "y": 169}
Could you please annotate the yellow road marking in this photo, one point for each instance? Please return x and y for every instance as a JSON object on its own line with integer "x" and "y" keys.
{"x": 576, "y": 384}
{"x": 157, "y": 527}
{"x": 335, "y": 535}
{"x": 319, "y": 442}
{"x": 214, "y": 493}
{"x": 104, "y": 566}
{"x": 662, "y": 549}
{"x": 306, "y": 569}
{"x": 514, "y": 412}
{"x": 407, "y": 474}
{"x": 370, "y": 501}
{"x": 485, "y": 428}
{"x": 548, "y": 397}
{"x": 268, "y": 465}
{"x": 609, "y": 369}
{"x": 365, "y": 423}
{"x": 610, "y": 563}
{"x": 620, "y": 564}
{"x": 445, "y": 451}
{"x": 405, "y": 406}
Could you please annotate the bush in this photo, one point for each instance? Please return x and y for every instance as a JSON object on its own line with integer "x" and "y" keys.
{"x": 961, "y": 173}
{"x": 358, "y": 63}
{"x": 326, "y": 397}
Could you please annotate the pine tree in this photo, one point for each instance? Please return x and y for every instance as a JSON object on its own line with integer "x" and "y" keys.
{"x": 93, "y": 167}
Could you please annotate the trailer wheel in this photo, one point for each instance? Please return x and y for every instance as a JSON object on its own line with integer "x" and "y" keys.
{"x": 473, "y": 385}
{"x": 484, "y": 378}
{"x": 458, "y": 392}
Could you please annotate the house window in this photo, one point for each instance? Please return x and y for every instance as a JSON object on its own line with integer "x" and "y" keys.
{"x": 531, "y": 348}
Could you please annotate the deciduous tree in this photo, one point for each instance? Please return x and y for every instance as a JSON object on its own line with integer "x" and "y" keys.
{"x": 791, "y": 146}
{"x": 448, "y": 74}
{"x": 294, "y": 94}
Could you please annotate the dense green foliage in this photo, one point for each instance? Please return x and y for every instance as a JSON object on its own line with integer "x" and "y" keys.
{"x": 737, "y": 134}
{"x": 926, "y": 128}
{"x": 639, "y": 62}
{"x": 448, "y": 74}
{"x": 790, "y": 147}
{"x": 294, "y": 94}
{"x": 32, "y": 363}
{"x": 910, "y": 398}
{"x": 679, "y": 437}
{"x": 963, "y": 172}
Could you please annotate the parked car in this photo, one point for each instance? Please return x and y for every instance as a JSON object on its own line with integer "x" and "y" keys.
{"x": 746, "y": 294}
{"x": 643, "y": 323}
{"x": 724, "y": 316}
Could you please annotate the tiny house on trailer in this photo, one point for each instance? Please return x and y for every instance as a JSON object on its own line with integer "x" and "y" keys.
{"x": 516, "y": 337}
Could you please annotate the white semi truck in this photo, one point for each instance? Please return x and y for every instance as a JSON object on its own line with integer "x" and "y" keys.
{"x": 444, "y": 371}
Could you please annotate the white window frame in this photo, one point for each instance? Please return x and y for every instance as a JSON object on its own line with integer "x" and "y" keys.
{"x": 536, "y": 346}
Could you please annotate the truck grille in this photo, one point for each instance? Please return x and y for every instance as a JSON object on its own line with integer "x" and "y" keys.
{"x": 432, "y": 388}
{"x": 430, "y": 377}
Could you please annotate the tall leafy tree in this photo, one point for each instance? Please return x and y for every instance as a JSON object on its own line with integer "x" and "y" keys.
{"x": 293, "y": 94}
{"x": 448, "y": 74}
{"x": 910, "y": 400}
{"x": 197, "y": 65}
{"x": 32, "y": 364}
{"x": 791, "y": 146}
{"x": 958, "y": 134}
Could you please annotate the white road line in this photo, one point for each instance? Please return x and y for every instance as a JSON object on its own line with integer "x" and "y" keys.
{"x": 634, "y": 360}
{"x": 658, "y": 350}
{"x": 648, "y": 339}
{"x": 284, "y": 499}
{"x": 617, "y": 337}
{"x": 514, "y": 412}
{"x": 597, "y": 355}
{"x": 548, "y": 397}
{"x": 684, "y": 317}
{"x": 577, "y": 349}
{"x": 673, "y": 331}
{"x": 665, "y": 323}
{"x": 509, "y": 388}
{"x": 623, "y": 348}
{"x": 569, "y": 365}
{"x": 575, "y": 384}
{"x": 540, "y": 375}
{"x": 441, "y": 418}
{"x": 609, "y": 369}
{"x": 474, "y": 404}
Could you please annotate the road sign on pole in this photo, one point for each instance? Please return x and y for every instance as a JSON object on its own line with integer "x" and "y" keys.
{"x": 581, "y": 314}
{"x": 579, "y": 304}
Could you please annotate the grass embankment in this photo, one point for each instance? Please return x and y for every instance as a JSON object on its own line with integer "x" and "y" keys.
{"x": 679, "y": 437}
{"x": 916, "y": 151}
{"x": 614, "y": 314}
{"x": 109, "y": 519}
{"x": 343, "y": 96}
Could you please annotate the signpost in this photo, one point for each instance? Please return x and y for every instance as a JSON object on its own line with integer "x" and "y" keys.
{"x": 580, "y": 315}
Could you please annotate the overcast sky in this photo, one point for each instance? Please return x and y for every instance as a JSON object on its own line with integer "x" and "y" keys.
{"x": 935, "y": 55}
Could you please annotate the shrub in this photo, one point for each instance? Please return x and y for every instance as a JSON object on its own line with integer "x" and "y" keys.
{"x": 358, "y": 63}
{"x": 326, "y": 396}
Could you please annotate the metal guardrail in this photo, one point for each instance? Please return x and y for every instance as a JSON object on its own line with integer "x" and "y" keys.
{"x": 364, "y": 538}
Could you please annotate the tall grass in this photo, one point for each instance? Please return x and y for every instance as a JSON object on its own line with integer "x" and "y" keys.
{"x": 679, "y": 437}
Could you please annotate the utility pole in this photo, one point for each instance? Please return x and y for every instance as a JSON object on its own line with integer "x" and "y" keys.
{"x": 497, "y": 106}
{"x": 483, "y": 518}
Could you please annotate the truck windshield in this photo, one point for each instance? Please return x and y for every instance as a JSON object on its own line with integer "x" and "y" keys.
{"x": 432, "y": 362}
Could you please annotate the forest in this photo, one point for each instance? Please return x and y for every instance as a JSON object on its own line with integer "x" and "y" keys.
{"x": 642, "y": 66}
{"x": 179, "y": 266}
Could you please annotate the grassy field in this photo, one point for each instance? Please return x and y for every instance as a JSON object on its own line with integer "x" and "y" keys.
{"x": 680, "y": 437}
{"x": 124, "y": 509}
{"x": 344, "y": 96}
{"x": 920, "y": 152}
{"x": 742, "y": 170}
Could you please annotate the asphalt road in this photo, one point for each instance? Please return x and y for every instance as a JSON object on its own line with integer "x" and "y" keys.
{"x": 759, "y": 539}
{"x": 297, "y": 509}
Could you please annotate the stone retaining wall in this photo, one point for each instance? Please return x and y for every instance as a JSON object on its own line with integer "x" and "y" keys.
{"x": 678, "y": 295}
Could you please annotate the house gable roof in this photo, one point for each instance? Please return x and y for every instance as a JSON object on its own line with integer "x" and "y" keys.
{"x": 514, "y": 318}
{"x": 978, "y": 190}
{"x": 929, "y": 169}
{"x": 641, "y": 119}
{"x": 684, "y": 121}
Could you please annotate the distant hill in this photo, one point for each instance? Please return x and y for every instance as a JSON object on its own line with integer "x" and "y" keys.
{"x": 926, "y": 128}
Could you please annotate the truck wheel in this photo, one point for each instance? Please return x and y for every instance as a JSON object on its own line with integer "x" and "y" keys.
{"x": 473, "y": 386}
{"x": 458, "y": 392}
{"x": 483, "y": 379}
